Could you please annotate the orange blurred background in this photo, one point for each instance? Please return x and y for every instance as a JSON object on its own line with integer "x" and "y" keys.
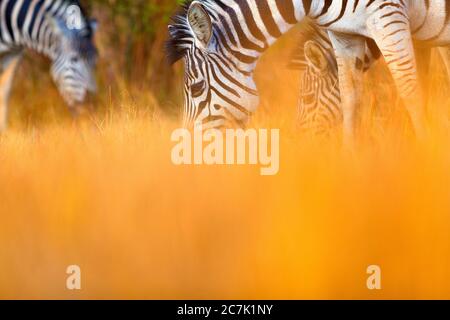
{"x": 103, "y": 194}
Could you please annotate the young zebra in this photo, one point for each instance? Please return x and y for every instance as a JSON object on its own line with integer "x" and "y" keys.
{"x": 222, "y": 41}
{"x": 58, "y": 29}
{"x": 319, "y": 105}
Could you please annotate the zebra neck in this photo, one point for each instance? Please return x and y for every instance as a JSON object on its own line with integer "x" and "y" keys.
{"x": 247, "y": 28}
{"x": 45, "y": 43}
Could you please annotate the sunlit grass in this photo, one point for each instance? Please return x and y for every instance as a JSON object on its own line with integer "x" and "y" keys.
{"x": 102, "y": 193}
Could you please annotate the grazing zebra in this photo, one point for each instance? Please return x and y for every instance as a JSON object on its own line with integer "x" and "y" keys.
{"x": 57, "y": 29}
{"x": 319, "y": 103}
{"x": 222, "y": 40}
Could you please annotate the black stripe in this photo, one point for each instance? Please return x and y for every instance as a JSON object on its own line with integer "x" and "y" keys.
{"x": 287, "y": 10}
{"x": 267, "y": 18}
{"x": 306, "y": 5}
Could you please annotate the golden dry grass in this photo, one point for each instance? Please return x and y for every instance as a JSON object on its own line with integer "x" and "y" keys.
{"x": 103, "y": 194}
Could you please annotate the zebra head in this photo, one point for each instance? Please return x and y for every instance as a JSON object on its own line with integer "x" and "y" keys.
{"x": 319, "y": 99}
{"x": 219, "y": 88}
{"x": 73, "y": 65}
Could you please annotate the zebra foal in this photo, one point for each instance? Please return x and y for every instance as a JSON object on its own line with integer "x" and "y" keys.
{"x": 319, "y": 104}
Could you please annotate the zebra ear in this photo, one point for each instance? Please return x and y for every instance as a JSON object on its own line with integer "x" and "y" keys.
{"x": 315, "y": 56}
{"x": 200, "y": 23}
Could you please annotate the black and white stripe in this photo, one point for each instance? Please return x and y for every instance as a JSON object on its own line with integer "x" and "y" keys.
{"x": 58, "y": 29}
{"x": 224, "y": 39}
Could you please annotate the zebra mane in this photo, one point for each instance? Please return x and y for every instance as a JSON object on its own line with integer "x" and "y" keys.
{"x": 180, "y": 34}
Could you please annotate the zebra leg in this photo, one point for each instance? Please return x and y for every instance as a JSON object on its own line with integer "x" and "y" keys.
{"x": 8, "y": 65}
{"x": 398, "y": 50}
{"x": 350, "y": 51}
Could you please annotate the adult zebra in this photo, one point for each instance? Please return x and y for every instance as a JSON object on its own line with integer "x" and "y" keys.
{"x": 222, "y": 40}
{"x": 58, "y": 29}
{"x": 319, "y": 105}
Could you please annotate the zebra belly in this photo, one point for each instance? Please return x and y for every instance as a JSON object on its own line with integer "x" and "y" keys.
{"x": 441, "y": 39}
{"x": 430, "y": 26}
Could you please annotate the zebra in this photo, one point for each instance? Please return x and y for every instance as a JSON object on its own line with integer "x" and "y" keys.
{"x": 57, "y": 29}
{"x": 222, "y": 40}
{"x": 319, "y": 103}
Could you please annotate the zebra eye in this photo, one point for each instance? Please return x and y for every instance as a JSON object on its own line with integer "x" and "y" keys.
{"x": 197, "y": 88}
{"x": 74, "y": 60}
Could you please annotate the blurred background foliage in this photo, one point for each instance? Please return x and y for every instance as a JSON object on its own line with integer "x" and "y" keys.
{"x": 134, "y": 33}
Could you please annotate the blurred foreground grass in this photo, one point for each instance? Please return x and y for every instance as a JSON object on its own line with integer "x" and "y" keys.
{"x": 107, "y": 197}
{"x": 103, "y": 194}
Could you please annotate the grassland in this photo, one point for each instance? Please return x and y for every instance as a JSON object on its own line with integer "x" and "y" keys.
{"x": 102, "y": 193}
